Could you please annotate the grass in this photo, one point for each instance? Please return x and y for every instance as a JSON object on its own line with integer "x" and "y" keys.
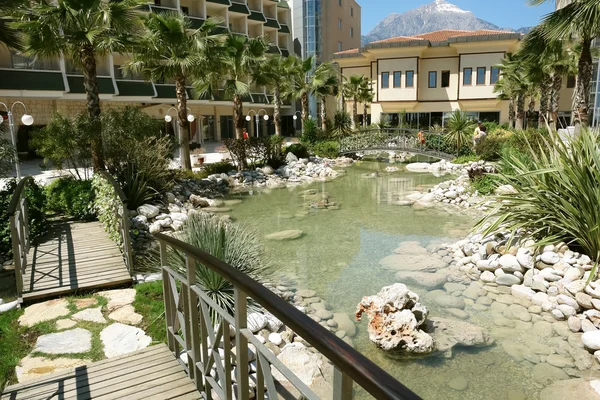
{"x": 149, "y": 303}
{"x": 485, "y": 184}
{"x": 466, "y": 159}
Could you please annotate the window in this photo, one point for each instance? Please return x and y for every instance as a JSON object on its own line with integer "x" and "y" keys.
{"x": 481, "y": 75}
{"x": 467, "y": 76}
{"x": 432, "y": 79}
{"x": 570, "y": 81}
{"x": 397, "y": 79}
{"x": 385, "y": 80}
{"x": 352, "y": 11}
{"x": 409, "y": 79}
{"x": 351, "y": 32}
{"x": 445, "y": 78}
{"x": 340, "y": 3}
{"x": 185, "y": 10}
{"x": 339, "y": 23}
{"x": 340, "y": 47}
{"x": 157, "y": 3}
{"x": 494, "y": 75}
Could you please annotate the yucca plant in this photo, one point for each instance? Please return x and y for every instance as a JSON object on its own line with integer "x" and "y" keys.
{"x": 459, "y": 129}
{"x": 235, "y": 244}
{"x": 557, "y": 194}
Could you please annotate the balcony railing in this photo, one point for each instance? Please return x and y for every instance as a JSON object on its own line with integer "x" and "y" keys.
{"x": 196, "y": 325}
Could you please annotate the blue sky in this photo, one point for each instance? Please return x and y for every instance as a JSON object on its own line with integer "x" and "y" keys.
{"x": 504, "y": 13}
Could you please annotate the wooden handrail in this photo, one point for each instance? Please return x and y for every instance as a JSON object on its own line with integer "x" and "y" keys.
{"x": 349, "y": 361}
{"x": 118, "y": 190}
{"x": 14, "y": 200}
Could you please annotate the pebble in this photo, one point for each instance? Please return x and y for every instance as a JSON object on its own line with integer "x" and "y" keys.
{"x": 458, "y": 383}
{"x": 574, "y": 324}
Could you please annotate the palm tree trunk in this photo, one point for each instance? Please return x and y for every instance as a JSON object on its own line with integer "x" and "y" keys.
{"x": 238, "y": 116}
{"x": 520, "y": 111}
{"x": 511, "y": 112}
{"x": 305, "y": 111}
{"x": 544, "y": 99}
{"x": 555, "y": 100}
{"x": 90, "y": 83}
{"x": 277, "y": 110}
{"x": 365, "y": 114}
{"x": 584, "y": 83}
{"x": 355, "y": 113}
{"x": 323, "y": 113}
{"x": 184, "y": 125}
{"x": 531, "y": 112}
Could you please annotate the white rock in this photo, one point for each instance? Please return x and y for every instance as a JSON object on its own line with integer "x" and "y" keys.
{"x": 487, "y": 276}
{"x": 256, "y": 322}
{"x": 550, "y": 275}
{"x": 119, "y": 339}
{"x": 9, "y": 306}
{"x": 148, "y": 210}
{"x": 91, "y": 315}
{"x": 550, "y": 257}
{"x": 524, "y": 257}
{"x": 509, "y": 263}
{"x": 522, "y": 293}
{"x": 275, "y": 338}
{"x": 126, "y": 315}
{"x": 118, "y": 297}
{"x": 46, "y": 311}
{"x": 507, "y": 280}
{"x": 591, "y": 340}
{"x": 76, "y": 340}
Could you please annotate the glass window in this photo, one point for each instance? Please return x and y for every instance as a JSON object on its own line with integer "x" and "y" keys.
{"x": 432, "y": 79}
{"x": 397, "y": 79}
{"x": 385, "y": 80}
{"x": 352, "y": 11}
{"x": 339, "y": 23}
{"x": 409, "y": 79}
{"x": 445, "y": 78}
{"x": 340, "y": 3}
{"x": 570, "y": 81}
{"x": 468, "y": 76}
{"x": 340, "y": 46}
{"x": 495, "y": 75}
{"x": 491, "y": 116}
{"x": 481, "y": 75}
{"x": 185, "y": 10}
{"x": 351, "y": 32}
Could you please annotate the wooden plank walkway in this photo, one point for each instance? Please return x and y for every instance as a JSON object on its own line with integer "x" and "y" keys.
{"x": 73, "y": 256}
{"x": 151, "y": 373}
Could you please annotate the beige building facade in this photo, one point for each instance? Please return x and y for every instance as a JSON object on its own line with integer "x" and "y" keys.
{"x": 52, "y": 86}
{"x": 418, "y": 81}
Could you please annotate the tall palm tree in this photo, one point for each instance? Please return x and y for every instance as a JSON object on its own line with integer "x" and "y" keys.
{"x": 506, "y": 90}
{"x": 171, "y": 50}
{"x": 274, "y": 73}
{"x": 353, "y": 89}
{"x": 366, "y": 97}
{"x": 581, "y": 20}
{"x": 8, "y": 34}
{"x": 324, "y": 83}
{"x": 232, "y": 68}
{"x": 82, "y": 31}
{"x": 514, "y": 81}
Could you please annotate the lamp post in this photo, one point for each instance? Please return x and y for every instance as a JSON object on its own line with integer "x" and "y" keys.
{"x": 190, "y": 118}
{"x": 257, "y": 117}
{"x": 26, "y": 119}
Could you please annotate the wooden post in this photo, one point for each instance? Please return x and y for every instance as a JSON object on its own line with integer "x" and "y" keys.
{"x": 16, "y": 256}
{"x": 126, "y": 239}
{"x": 342, "y": 385}
{"x": 241, "y": 343}
{"x": 193, "y": 336}
{"x": 169, "y": 312}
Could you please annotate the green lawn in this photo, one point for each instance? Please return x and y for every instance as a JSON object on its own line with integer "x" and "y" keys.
{"x": 149, "y": 303}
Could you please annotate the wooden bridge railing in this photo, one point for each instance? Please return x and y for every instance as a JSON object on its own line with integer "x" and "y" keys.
{"x": 396, "y": 139}
{"x": 192, "y": 331}
{"x": 19, "y": 231}
{"x": 120, "y": 210}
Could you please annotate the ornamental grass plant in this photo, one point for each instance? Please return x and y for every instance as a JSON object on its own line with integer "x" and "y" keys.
{"x": 556, "y": 196}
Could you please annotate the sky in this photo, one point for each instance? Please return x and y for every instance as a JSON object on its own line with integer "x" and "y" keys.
{"x": 504, "y": 13}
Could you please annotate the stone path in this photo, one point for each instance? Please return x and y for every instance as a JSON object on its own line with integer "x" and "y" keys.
{"x": 79, "y": 323}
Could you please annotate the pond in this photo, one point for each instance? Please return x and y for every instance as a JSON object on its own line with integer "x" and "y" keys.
{"x": 338, "y": 257}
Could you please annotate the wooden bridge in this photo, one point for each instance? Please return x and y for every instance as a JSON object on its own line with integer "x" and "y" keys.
{"x": 191, "y": 365}
{"x": 397, "y": 139}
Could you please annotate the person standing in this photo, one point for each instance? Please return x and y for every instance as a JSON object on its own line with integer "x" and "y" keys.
{"x": 477, "y": 133}
{"x": 245, "y": 134}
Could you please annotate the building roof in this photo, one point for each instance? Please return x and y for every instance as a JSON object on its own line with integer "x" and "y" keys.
{"x": 434, "y": 39}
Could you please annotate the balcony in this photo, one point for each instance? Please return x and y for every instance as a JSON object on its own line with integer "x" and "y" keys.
{"x": 222, "y": 2}
{"x": 196, "y": 22}
{"x": 105, "y": 84}
{"x": 257, "y": 16}
{"x": 283, "y": 4}
{"x": 284, "y": 29}
{"x": 159, "y": 9}
{"x": 273, "y": 49}
{"x": 128, "y": 88}
{"x": 23, "y": 79}
{"x": 239, "y": 8}
{"x": 272, "y": 23}
{"x": 285, "y": 52}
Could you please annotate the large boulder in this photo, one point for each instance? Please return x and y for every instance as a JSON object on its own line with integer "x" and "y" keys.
{"x": 449, "y": 333}
{"x": 395, "y": 316}
{"x": 148, "y": 210}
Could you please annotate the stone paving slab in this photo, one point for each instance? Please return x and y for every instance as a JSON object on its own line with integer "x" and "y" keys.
{"x": 35, "y": 367}
{"x": 46, "y": 311}
{"x": 76, "y": 340}
{"x": 118, "y": 298}
{"x": 119, "y": 339}
{"x": 126, "y": 315}
{"x": 91, "y": 315}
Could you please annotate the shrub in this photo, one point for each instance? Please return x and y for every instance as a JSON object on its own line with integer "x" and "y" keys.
{"x": 8, "y": 155}
{"x": 466, "y": 159}
{"x": 485, "y": 184}
{"x": 218, "y": 168}
{"x": 557, "y": 195}
{"x": 36, "y": 213}
{"x": 298, "y": 149}
{"x": 232, "y": 243}
{"x": 72, "y": 197}
{"x": 459, "y": 130}
{"x": 329, "y": 149}
{"x": 490, "y": 148}
{"x": 107, "y": 207}
{"x": 256, "y": 151}
{"x": 342, "y": 124}
{"x": 310, "y": 133}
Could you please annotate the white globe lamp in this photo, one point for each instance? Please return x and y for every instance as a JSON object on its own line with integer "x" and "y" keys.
{"x": 248, "y": 118}
{"x": 27, "y": 119}
{"x": 168, "y": 118}
{"x": 191, "y": 117}
{"x": 266, "y": 117}
{"x": 295, "y": 117}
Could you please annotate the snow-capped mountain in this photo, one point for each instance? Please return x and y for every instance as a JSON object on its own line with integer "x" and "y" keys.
{"x": 431, "y": 17}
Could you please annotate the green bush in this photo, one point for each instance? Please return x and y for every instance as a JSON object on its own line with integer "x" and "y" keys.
{"x": 8, "y": 153}
{"x": 329, "y": 149}
{"x": 298, "y": 149}
{"x": 221, "y": 167}
{"x": 232, "y": 243}
{"x": 256, "y": 152}
{"x": 71, "y": 197}
{"x": 490, "y": 148}
{"x": 485, "y": 184}
{"x": 557, "y": 194}
{"x": 36, "y": 213}
{"x": 342, "y": 124}
{"x": 310, "y": 133}
{"x": 466, "y": 159}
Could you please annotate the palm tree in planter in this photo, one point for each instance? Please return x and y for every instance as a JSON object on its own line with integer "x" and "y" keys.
{"x": 579, "y": 19}
{"x": 354, "y": 89}
{"x": 171, "y": 50}
{"x": 82, "y": 31}
{"x": 232, "y": 67}
{"x": 274, "y": 73}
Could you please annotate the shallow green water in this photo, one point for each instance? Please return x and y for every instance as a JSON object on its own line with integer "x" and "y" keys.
{"x": 339, "y": 254}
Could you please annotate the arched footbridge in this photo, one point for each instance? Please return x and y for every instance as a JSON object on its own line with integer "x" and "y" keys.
{"x": 397, "y": 139}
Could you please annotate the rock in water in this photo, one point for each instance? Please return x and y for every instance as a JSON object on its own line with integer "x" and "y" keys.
{"x": 395, "y": 316}
{"x": 449, "y": 333}
{"x": 285, "y": 235}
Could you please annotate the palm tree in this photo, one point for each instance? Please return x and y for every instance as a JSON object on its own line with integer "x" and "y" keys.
{"x": 324, "y": 83}
{"x": 507, "y": 91}
{"x": 580, "y": 19}
{"x": 353, "y": 89}
{"x": 82, "y": 31}
{"x": 171, "y": 50}
{"x": 513, "y": 84}
{"x": 366, "y": 97}
{"x": 459, "y": 129}
{"x": 8, "y": 34}
{"x": 274, "y": 73}
{"x": 232, "y": 68}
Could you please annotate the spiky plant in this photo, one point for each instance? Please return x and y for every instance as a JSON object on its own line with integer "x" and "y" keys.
{"x": 459, "y": 129}
{"x": 556, "y": 194}
{"x": 235, "y": 244}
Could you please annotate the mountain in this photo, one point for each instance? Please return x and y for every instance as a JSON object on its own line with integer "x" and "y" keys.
{"x": 428, "y": 18}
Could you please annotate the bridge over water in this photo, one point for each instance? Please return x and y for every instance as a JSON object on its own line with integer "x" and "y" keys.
{"x": 397, "y": 139}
